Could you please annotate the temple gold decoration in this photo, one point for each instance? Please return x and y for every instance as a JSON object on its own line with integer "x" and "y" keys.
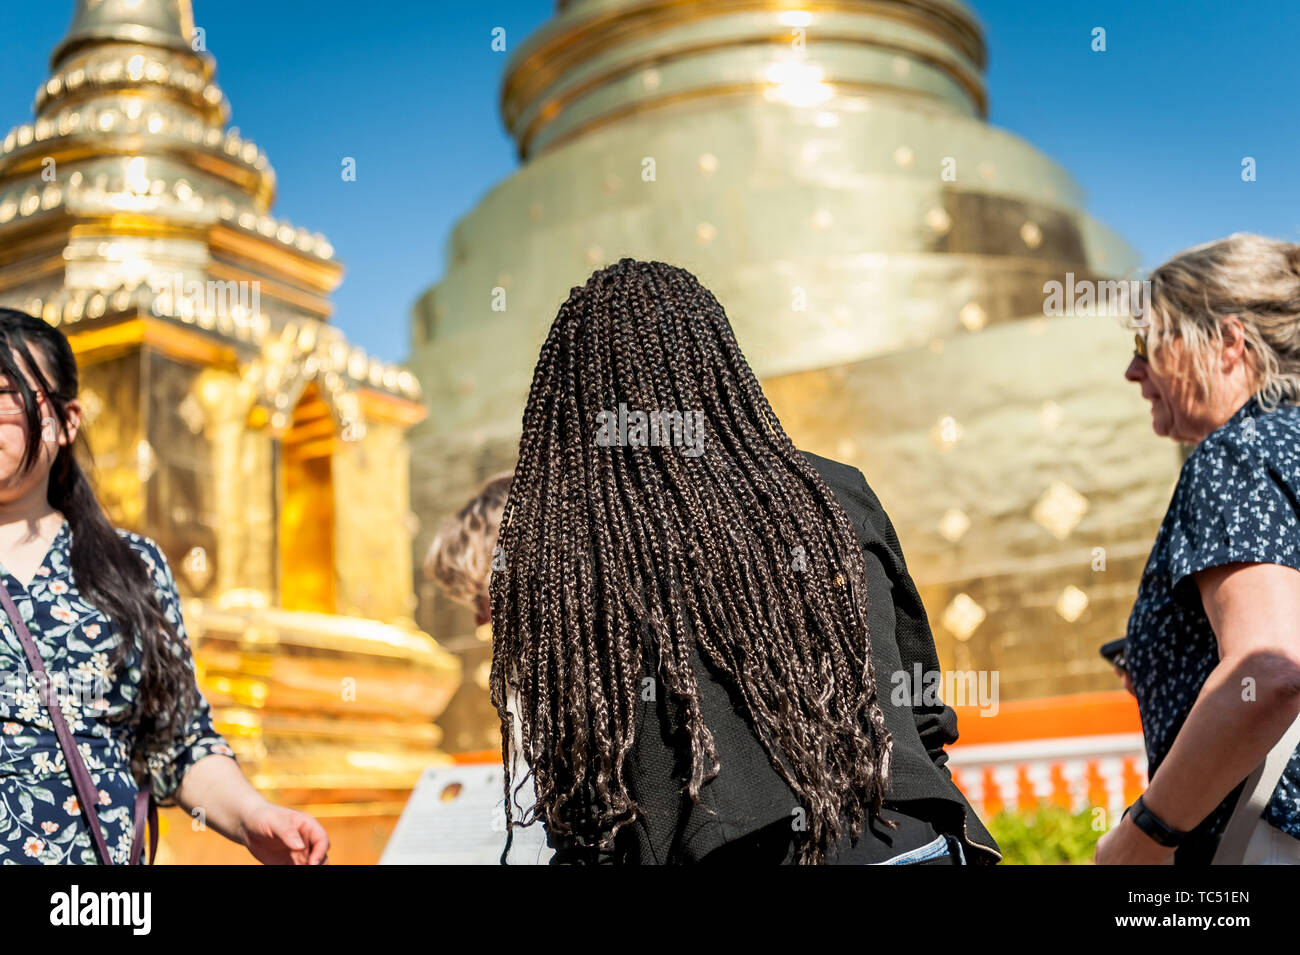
{"x": 826, "y": 168}
{"x": 229, "y": 420}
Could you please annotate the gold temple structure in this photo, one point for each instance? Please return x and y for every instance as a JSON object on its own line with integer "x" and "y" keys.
{"x": 825, "y": 167}
{"x": 229, "y": 420}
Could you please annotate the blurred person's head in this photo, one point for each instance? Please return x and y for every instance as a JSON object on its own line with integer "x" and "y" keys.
{"x": 460, "y": 557}
{"x": 39, "y": 431}
{"x": 659, "y": 507}
{"x": 1224, "y": 325}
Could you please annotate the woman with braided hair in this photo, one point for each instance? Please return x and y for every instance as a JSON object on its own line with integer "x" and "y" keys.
{"x": 693, "y": 621}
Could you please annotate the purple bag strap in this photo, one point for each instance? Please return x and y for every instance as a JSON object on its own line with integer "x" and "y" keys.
{"x": 145, "y": 808}
{"x": 76, "y": 765}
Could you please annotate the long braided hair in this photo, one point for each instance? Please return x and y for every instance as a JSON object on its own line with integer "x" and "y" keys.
{"x": 734, "y": 545}
{"x": 108, "y": 571}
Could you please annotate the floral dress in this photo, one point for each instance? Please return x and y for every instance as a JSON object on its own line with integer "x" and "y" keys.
{"x": 41, "y": 821}
{"x": 1237, "y": 500}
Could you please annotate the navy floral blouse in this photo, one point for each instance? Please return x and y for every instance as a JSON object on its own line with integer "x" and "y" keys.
{"x": 1236, "y": 501}
{"x": 41, "y": 821}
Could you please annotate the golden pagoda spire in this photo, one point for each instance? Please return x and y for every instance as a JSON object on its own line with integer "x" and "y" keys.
{"x": 127, "y": 74}
{"x": 234, "y": 425}
{"x": 130, "y": 194}
{"x": 162, "y": 23}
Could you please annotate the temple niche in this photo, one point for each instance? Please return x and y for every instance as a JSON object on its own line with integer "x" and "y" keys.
{"x": 229, "y": 420}
{"x": 827, "y": 169}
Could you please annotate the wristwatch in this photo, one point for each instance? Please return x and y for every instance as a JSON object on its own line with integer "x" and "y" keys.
{"x": 1153, "y": 825}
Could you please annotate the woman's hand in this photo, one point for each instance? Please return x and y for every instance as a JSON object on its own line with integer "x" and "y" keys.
{"x": 276, "y": 835}
{"x": 216, "y": 791}
{"x": 1126, "y": 844}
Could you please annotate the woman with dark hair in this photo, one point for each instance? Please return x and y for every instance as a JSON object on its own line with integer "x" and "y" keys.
{"x": 697, "y": 618}
{"x": 132, "y": 707}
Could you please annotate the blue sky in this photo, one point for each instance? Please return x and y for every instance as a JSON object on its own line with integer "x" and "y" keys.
{"x": 1154, "y": 129}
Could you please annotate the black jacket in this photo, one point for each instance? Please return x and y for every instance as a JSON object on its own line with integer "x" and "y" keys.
{"x": 745, "y": 812}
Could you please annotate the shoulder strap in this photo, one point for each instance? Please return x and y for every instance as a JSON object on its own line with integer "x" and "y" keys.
{"x": 76, "y": 765}
{"x": 1254, "y": 797}
{"x": 145, "y": 809}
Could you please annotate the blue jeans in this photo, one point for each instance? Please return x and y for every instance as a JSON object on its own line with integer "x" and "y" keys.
{"x": 943, "y": 847}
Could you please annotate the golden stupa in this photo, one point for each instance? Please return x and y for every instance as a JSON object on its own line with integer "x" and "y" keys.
{"x": 827, "y": 169}
{"x": 229, "y": 420}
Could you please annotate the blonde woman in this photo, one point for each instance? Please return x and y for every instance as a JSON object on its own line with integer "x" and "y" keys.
{"x": 1214, "y": 637}
{"x": 460, "y": 558}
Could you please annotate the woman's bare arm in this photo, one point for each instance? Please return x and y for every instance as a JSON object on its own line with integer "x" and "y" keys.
{"x": 275, "y": 835}
{"x": 217, "y": 788}
{"x": 1249, "y": 699}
